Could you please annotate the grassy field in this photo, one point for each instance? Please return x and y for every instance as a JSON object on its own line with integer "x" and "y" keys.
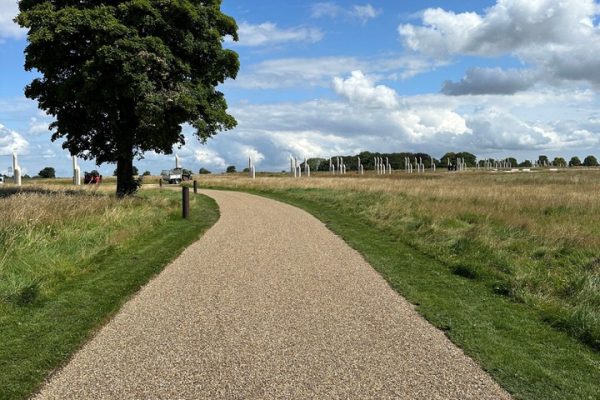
{"x": 69, "y": 260}
{"x": 506, "y": 264}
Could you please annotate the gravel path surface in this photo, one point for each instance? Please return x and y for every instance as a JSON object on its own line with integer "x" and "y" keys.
{"x": 269, "y": 304}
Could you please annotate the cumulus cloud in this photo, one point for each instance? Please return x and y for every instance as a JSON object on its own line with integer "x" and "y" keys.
{"x": 209, "y": 158}
{"x": 326, "y": 9}
{"x": 361, "y": 89}
{"x": 558, "y": 37}
{"x": 8, "y": 28}
{"x": 11, "y": 141}
{"x": 366, "y": 12}
{"x": 319, "y": 71}
{"x": 478, "y": 81}
{"x": 499, "y": 130}
{"x": 269, "y": 33}
{"x": 38, "y": 126}
{"x": 333, "y": 10}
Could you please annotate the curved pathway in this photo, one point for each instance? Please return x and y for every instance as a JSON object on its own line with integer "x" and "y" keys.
{"x": 269, "y": 304}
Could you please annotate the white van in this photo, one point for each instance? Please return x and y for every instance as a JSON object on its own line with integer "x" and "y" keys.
{"x": 1, "y": 179}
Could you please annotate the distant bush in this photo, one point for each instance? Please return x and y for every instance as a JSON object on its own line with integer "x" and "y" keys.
{"x": 230, "y": 169}
{"x": 590, "y": 161}
{"x": 47, "y": 172}
{"x": 525, "y": 164}
{"x": 204, "y": 171}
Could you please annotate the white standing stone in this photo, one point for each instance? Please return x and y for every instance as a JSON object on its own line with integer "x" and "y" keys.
{"x": 251, "y": 168}
{"x": 16, "y": 170}
{"x": 76, "y": 172}
{"x": 292, "y": 167}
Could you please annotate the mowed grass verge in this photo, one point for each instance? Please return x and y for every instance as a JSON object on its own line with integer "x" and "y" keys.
{"x": 434, "y": 254}
{"x": 69, "y": 260}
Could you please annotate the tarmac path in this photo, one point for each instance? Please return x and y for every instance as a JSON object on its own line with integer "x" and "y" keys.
{"x": 269, "y": 304}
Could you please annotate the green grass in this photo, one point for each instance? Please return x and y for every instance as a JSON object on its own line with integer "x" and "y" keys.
{"x": 69, "y": 270}
{"x": 508, "y": 337}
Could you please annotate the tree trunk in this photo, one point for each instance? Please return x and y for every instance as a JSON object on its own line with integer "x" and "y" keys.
{"x": 126, "y": 185}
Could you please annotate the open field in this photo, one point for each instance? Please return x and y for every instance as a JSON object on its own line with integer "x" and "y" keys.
{"x": 506, "y": 264}
{"x": 70, "y": 259}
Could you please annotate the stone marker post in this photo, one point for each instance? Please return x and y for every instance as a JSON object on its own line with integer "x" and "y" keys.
{"x": 16, "y": 170}
{"x": 76, "y": 172}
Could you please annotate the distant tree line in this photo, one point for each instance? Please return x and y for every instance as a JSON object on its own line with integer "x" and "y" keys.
{"x": 397, "y": 160}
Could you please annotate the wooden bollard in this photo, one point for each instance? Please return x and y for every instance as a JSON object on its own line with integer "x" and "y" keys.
{"x": 195, "y": 187}
{"x": 185, "y": 204}
{"x": 160, "y": 182}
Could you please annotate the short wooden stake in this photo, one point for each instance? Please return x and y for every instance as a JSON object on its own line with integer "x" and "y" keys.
{"x": 195, "y": 187}
{"x": 185, "y": 206}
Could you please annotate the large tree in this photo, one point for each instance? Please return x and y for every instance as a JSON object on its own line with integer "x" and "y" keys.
{"x": 121, "y": 77}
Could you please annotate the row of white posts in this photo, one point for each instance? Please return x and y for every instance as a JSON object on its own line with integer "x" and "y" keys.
{"x": 360, "y": 167}
{"x": 340, "y": 168}
{"x": 496, "y": 164}
{"x": 296, "y": 167}
{"x": 461, "y": 164}
{"x": 419, "y": 166}
{"x": 382, "y": 168}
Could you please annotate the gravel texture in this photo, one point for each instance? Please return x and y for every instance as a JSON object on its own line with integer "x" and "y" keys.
{"x": 269, "y": 304}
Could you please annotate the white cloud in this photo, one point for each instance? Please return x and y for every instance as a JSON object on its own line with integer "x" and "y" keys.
{"x": 366, "y": 12}
{"x": 37, "y": 126}
{"x": 250, "y": 151}
{"x": 319, "y": 71}
{"x": 361, "y": 89}
{"x": 333, "y": 10}
{"x": 11, "y": 141}
{"x": 209, "y": 158}
{"x": 326, "y": 9}
{"x": 8, "y": 28}
{"x": 269, "y": 33}
{"x": 557, "y": 37}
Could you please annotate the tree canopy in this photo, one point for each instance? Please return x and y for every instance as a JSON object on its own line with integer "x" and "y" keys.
{"x": 121, "y": 77}
{"x": 590, "y": 161}
{"x": 559, "y": 162}
{"x": 47, "y": 172}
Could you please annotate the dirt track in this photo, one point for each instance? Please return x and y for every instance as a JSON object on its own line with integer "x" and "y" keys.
{"x": 269, "y": 304}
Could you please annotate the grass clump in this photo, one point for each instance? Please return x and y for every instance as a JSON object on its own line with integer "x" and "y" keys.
{"x": 69, "y": 260}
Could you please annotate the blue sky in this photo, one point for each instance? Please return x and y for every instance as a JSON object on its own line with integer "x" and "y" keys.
{"x": 497, "y": 78}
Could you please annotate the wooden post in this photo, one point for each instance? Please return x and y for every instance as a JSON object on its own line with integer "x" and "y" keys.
{"x": 160, "y": 182}
{"x": 185, "y": 206}
{"x": 195, "y": 187}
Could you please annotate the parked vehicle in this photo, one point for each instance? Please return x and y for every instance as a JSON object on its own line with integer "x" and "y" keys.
{"x": 176, "y": 175}
{"x": 1, "y": 180}
{"x": 92, "y": 178}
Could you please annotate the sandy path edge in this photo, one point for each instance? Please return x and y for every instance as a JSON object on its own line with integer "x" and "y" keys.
{"x": 269, "y": 304}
